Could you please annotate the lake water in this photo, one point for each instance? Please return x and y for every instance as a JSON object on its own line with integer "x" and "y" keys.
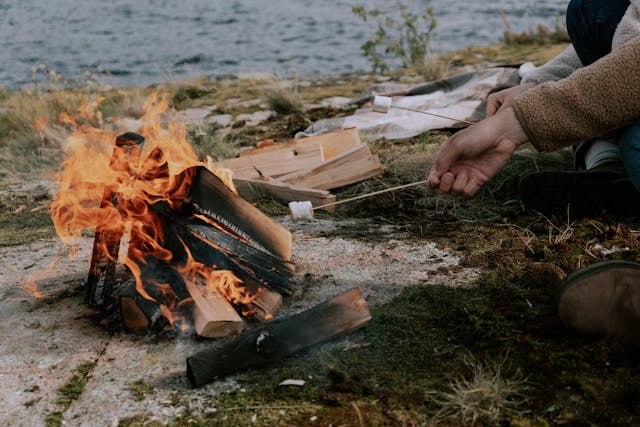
{"x": 158, "y": 40}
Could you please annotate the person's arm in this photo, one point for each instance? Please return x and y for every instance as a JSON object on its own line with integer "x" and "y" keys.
{"x": 591, "y": 101}
{"x": 558, "y": 68}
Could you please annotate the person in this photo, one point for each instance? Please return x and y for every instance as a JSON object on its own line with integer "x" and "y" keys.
{"x": 587, "y": 97}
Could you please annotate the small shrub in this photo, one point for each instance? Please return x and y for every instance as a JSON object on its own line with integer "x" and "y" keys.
{"x": 404, "y": 38}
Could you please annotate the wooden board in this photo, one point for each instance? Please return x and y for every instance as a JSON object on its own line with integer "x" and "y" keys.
{"x": 274, "y": 163}
{"x": 332, "y": 143}
{"x": 209, "y": 195}
{"x": 355, "y": 165}
{"x": 272, "y": 341}
{"x": 252, "y": 189}
{"x": 213, "y": 315}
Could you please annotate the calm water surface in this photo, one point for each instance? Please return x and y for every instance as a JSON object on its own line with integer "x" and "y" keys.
{"x": 150, "y": 41}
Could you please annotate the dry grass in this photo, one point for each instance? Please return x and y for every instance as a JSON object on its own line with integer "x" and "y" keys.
{"x": 540, "y": 34}
{"x": 485, "y": 396}
{"x": 434, "y": 66}
{"x": 283, "y": 97}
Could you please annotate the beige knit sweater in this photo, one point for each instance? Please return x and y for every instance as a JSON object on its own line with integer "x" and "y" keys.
{"x": 575, "y": 104}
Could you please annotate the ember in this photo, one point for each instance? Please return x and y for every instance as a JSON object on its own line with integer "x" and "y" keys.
{"x": 192, "y": 245}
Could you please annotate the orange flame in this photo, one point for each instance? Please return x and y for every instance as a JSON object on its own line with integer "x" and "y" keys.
{"x": 32, "y": 289}
{"x": 94, "y": 171}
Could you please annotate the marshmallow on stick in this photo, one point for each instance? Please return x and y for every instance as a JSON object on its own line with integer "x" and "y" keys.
{"x": 301, "y": 210}
{"x": 382, "y": 104}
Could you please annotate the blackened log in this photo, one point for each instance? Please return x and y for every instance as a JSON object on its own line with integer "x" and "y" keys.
{"x": 106, "y": 244}
{"x": 209, "y": 195}
{"x": 177, "y": 236}
{"x": 275, "y": 340}
{"x": 165, "y": 286}
{"x": 242, "y": 251}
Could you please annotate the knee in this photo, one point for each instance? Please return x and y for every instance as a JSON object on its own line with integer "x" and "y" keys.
{"x": 575, "y": 19}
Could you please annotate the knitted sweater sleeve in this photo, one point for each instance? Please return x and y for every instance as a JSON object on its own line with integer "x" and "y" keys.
{"x": 591, "y": 101}
{"x": 558, "y": 68}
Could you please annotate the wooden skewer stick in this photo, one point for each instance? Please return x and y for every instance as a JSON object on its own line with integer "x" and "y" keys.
{"x": 304, "y": 210}
{"x": 434, "y": 114}
{"x": 375, "y": 193}
{"x": 382, "y": 104}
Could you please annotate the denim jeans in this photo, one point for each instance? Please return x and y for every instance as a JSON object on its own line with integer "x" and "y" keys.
{"x": 591, "y": 25}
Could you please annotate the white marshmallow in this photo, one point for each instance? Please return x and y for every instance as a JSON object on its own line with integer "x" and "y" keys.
{"x": 381, "y": 104}
{"x": 301, "y": 210}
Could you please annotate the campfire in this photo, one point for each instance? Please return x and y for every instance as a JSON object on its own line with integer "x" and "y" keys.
{"x": 174, "y": 245}
{"x": 176, "y": 248}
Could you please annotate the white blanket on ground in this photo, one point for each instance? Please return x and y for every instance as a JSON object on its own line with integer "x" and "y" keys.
{"x": 461, "y": 97}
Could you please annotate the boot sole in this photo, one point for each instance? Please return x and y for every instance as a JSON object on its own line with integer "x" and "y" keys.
{"x": 632, "y": 288}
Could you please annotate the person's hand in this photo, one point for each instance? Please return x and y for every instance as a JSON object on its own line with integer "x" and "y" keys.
{"x": 502, "y": 99}
{"x": 471, "y": 157}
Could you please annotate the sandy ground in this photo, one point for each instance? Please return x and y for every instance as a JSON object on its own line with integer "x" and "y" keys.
{"x": 43, "y": 340}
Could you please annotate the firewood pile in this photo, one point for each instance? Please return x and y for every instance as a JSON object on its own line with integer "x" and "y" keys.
{"x": 304, "y": 169}
{"x": 196, "y": 256}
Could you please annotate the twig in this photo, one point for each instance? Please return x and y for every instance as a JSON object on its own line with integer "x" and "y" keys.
{"x": 360, "y": 417}
{"x": 244, "y": 408}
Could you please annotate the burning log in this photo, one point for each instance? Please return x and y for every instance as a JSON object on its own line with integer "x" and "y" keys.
{"x": 106, "y": 244}
{"x": 275, "y": 340}
{"x": 161, "y": 288}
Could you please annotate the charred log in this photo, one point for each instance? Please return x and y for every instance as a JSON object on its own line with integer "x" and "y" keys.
{"x": 210, "y": 196}
{"x": 275, "y": 340}
{"x": 228, "y": 251}
{"x": 106, "y": 244}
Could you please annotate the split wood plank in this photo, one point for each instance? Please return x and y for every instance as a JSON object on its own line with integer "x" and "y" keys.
{"x": 332, "y": 143}
{"x": 274, "y": 163}
{"x": 275, "y": 340}
{"x": 355, "y": 165}
{"x": 209, "y": 195}
{"x": 252, "y": 189}
{"x": 213, "y": 315}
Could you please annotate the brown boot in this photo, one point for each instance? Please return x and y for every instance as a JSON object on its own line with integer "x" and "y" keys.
{"x": 602, "y": 299}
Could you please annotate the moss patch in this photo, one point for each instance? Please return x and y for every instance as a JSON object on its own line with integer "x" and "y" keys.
{"x": 418, "y": 344}
{"x": 139, "y": 389}
{"x": 70, "y": 392}
{"x": 24, "y": 217}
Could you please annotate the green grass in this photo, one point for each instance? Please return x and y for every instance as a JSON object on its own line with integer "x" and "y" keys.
{"x": 139, "y": 389}
{"x": 69, "y": 392}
